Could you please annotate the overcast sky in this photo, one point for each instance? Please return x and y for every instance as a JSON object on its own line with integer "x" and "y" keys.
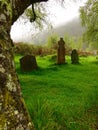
{"x": 59, "y": 14}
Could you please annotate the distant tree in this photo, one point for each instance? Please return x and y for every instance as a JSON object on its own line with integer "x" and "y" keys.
{"x": 69, "y": 41}
{"x": 89, "y": 17}
{"x": 39, "y": 15}
{"x": 52, "y": 41}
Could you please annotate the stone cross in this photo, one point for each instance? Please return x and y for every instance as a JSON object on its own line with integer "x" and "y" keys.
{"x": 61, "y": 52}
{"x": 74, "y": 57}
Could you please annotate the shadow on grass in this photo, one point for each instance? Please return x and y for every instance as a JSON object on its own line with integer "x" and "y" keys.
{"x": 94, "y": 62}
{"x": 41, "y": 70}
{"x": 49, "y": 69}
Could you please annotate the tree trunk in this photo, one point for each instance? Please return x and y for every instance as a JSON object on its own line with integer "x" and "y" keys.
{"x": 13, "y": 113}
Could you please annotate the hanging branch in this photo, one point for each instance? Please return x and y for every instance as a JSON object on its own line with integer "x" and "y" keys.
{"x": 19, "y": 7}
{"x": 34, "y": 14}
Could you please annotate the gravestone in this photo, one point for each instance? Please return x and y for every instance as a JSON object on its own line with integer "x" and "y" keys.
{"x": 61, "y": 52}
{"x": 28, "y": 63}
{"x": 74, "y": 57}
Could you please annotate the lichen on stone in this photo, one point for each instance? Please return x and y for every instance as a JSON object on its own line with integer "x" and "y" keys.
{"x": 2, "y": 17}
{"x": 20, "y": 127}
{"x": 1, "y": 55}
{"x": 16, "y": 112}
{"x": 30, "y": 124}
{"x": 10, "y": 84}
{"x": 2, "y": 69}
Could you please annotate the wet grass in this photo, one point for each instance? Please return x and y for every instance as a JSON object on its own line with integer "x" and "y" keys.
{"x": 62, "y": 97}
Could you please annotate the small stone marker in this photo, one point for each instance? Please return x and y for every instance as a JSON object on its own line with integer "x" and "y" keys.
{"x": 74, "y": 57}
{"x": 28, "y": 63}
{"x": 61, "y": 52}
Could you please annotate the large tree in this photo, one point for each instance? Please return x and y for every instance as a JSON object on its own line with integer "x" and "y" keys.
{"x": 89, "y": 16}
{"x": 13, "y": 113}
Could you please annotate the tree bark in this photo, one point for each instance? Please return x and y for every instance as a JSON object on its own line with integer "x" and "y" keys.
{"x": 13, "y": 112}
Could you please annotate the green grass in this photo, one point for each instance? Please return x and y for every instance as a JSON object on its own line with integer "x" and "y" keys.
{"x": 62, "y": 97}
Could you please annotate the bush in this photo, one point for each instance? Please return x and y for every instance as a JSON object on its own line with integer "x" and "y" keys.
{"x": 24, "y": 49}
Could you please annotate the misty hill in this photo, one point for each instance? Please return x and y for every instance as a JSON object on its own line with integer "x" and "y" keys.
{"x": 72, "y": 28}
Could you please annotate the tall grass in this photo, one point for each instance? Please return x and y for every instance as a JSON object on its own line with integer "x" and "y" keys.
{"x": 62, "y": 97}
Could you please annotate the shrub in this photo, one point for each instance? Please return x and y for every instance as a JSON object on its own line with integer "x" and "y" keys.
{"x": 24, "y": 49}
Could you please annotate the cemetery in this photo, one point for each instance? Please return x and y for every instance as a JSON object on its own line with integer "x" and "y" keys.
{"x": 61, "y": 92}
{"x": 60, "y": 86}
{"x": 49, "y": 74}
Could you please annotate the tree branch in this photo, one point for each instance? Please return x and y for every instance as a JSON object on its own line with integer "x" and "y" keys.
{"x": 19, "y": 6}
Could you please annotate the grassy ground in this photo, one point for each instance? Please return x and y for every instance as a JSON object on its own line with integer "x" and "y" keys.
{"x": 62, "y": 97}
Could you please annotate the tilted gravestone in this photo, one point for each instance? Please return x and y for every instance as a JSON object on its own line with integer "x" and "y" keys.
{"x": 28, "y": 63}
{"x": 61, "y": 52}
{"x": 74, "y": 57}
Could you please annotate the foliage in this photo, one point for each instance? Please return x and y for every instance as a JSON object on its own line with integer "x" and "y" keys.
{"x": 74, "y": 43}
{"x": 70, "y": 42}
{"x": 39, "y": 15}
{"x": 68, "y": 92}
{"x": 89, "y": 16}
{"x": 52, "y": 41}
{"x": 24, "y": 49}
{"x": 42, "y": 50}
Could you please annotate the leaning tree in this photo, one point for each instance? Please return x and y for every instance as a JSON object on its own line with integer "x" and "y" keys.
{"x": 13, "y": 113}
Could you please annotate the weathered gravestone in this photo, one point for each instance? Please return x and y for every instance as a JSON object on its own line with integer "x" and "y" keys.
{"x": 28, "y": 63}
{"x": 74, "y": 57}
{"x": 61, "y": 52}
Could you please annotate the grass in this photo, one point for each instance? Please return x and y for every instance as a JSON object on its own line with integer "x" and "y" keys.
{"x": 62, "y": 97}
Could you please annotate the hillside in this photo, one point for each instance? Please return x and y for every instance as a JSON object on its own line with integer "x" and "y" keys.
{"x": 72, "y": 28}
